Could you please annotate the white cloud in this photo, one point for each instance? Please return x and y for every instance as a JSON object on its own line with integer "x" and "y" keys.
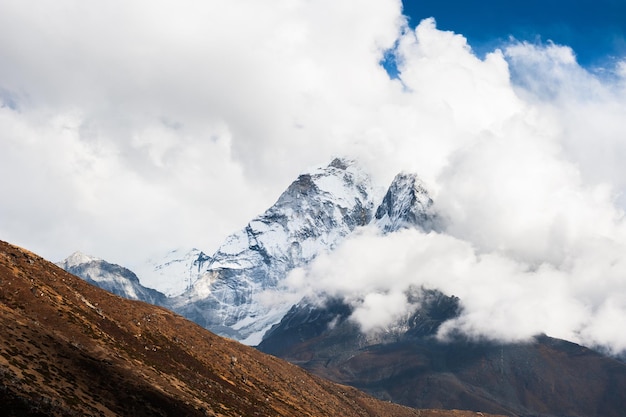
{"x": 527, "y": 175}
{"x": 501, "y": 298}
{"x": 129, "y": 129}
{"x": 190, "y": 118}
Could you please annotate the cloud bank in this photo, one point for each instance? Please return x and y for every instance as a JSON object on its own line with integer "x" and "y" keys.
{"x": 502, "y": 298}
{"x": 129, "y": 129}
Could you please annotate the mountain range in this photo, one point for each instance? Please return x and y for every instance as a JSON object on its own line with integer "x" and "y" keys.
{"x": 69, "y": 348}
{"x": 405, "y": 363}
{"x": 315, "y": 214}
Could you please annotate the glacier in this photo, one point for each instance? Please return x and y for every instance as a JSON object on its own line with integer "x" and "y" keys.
{"x": 175, "y": 272}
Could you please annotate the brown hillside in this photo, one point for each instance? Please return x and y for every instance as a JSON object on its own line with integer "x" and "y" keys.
{"x": 68, "y": 348}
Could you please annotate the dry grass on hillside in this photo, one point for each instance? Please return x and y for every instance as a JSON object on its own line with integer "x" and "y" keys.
{"x": 69, "y": 348}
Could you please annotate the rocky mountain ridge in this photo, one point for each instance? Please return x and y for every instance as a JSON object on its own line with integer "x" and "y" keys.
{"x": 406, "y": 204}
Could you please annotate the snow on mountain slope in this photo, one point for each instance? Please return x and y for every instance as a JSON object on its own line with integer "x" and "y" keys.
{"x": 175, "y": 272}
{"x": 406, "y": 204}
{"x": 111, "y": 277}
{"x": 77, "y": 258}
{"x": 313, "y": 215}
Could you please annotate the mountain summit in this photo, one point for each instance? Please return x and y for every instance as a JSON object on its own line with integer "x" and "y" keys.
{"x": 316, "y": 212}
{"x": 407, "y": 204}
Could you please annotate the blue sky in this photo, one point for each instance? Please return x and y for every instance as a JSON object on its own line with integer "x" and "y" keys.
{"x": 595, "y": 29}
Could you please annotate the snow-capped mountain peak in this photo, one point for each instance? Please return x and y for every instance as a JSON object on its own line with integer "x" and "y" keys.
{"x": 111, "y": 277}
{"x": 406, "y": 204}
{"x": 318, "y": 210}
{"x": 76, "y": 259}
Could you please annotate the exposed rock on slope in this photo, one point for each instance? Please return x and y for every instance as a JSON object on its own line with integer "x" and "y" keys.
{"x": 68, "y": 348}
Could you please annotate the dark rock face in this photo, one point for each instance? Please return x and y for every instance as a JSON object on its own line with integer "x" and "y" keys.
{"x": 302, "y": 323}
{"x": 544, "y": 377}
{"x": 330, "y": 322}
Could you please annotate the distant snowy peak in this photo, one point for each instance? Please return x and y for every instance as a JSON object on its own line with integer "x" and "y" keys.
{"x": 407, "y": 204}
{"x": 342, "y": 181}
{"x": 111, "y": 277}
{"x": 315, "y": 212}
{"x": 320, "y": 208}
{"x": 77, "y": 258}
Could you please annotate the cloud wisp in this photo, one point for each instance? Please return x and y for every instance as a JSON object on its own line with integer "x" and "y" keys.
{"x": 126, "y": 130}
